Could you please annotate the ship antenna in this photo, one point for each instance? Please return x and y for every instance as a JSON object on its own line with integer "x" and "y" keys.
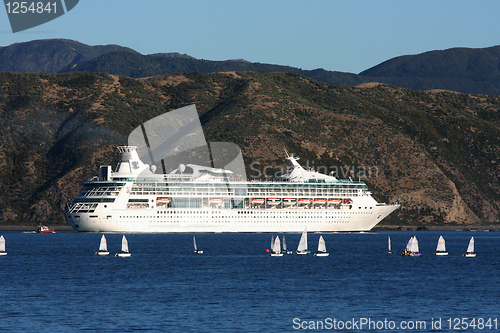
{"x": 286, "y": 153}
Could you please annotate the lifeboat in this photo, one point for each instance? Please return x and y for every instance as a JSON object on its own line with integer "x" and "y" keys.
{"x": 163, "y": 199}
{"x": 334, "y": 201}
{"x": 347, "y": 201}
{"x": 319, "y": 201}
{"x": 273, "y": 201}
{"x": 304, "y": 201}
{"x": 215, "y": 200}
{"x": 289, "y": 201}
{"x": 257, "y": 201}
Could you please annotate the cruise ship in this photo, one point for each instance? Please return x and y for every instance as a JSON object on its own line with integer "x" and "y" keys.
{"x": 195, "y": 198}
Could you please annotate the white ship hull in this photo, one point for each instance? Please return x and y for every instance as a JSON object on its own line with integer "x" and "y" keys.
{"x": 203, "y": 199}
{"x": 252, "y": 220}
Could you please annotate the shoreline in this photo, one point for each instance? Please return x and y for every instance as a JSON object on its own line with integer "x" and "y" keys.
{"x": 376, "y": 228}
{"x": 34, "y": 228}
{"x": 437, "y": 228}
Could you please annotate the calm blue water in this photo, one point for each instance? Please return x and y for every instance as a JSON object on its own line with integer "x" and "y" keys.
{"x": 55, "y": 283}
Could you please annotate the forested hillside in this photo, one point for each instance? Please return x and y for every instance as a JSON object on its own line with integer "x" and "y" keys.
{"x": 437, "y": 153}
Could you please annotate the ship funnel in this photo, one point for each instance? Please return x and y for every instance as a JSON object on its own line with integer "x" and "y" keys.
{"x": 130, "y": 164}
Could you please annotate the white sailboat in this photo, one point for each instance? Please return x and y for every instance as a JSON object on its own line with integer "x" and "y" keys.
{"x": 389, "y": 245}
{"x": 276, "y": 249}
{"x": 285, "y": 249}
{"x": 441, "y": 247}
{"x": 302, "y": 248}
{"x": 415, "y": 252}
{"x": 196, "y": 249}
{"x": 124, "y": 252}
{"x": 103, "y": 247}
{"x": 412, "y": 249}
{"x": 470, "y": 249}
{"x": 2, "y": 246}
{"x": 321, "y": 248}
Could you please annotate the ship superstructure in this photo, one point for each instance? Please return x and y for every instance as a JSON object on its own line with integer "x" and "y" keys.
{"x": 195, "y": 198}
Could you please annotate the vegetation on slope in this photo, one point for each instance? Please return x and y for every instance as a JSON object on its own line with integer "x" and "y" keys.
{"x": 436, "y": 153}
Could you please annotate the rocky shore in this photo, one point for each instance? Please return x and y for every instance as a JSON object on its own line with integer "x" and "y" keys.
{"x": 34, "y": 228}
{"x": 495, "y": 227}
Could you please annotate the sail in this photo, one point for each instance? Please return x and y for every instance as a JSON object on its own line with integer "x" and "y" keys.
{"x": 389, "y": 243}
{"x": 409, "y": 244}
{"x": 194, "y": 243}
{"x": 124, "y": 244}
{"x": 277, "y": 245}
{"x": 303, "y": 242}
{"x": 441, "y": 246}
{"x": 103, "y": 247}
{"x": 321, "y": 245}
{"x": 284, "y": 244}
{"x": 414, "y": 245}
{"x": 2, "y": 244}
{"x": 470, "y": 249}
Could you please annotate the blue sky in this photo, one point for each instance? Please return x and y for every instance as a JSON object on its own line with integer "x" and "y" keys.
{"x": 347, "y": 35}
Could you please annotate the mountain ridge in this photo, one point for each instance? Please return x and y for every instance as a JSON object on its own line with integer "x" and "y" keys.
{"x": 469, "y": 70}
{"x": 464, "y": 70}
{"x": 50, "y": 55}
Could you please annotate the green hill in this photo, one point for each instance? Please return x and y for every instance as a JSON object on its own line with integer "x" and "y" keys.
{"x": 458, "y": 69}
{"x": 136, "y": 65}
{"x": 50, "y": 55}
{"x": 437, "y": 153}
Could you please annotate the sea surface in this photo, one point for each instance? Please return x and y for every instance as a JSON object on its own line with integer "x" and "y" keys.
{"x": 55, "y": 283}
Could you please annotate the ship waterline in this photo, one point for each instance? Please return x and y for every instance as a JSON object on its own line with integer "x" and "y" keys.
{"x": 203, "y": 199}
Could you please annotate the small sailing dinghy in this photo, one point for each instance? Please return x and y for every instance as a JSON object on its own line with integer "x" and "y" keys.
{"x": 302, "y": 248}
{"x": 2, "y": 246}
{"x": 124, "y": 252}
{"x": 412, "y": 248}
{"x": 441, "y": 247}
{"x": 196, "y": 249}
{"x": 321, "y": 248}
{"x": 285, "y": 249}
{"x": 276, "y": 249}
{"x": 103, "y": 247}
{"x": 389, "y": 245}
{"x": 470, "y": 249}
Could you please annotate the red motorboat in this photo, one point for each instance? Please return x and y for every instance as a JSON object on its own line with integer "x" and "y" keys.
{"x": 44, "y": 230}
